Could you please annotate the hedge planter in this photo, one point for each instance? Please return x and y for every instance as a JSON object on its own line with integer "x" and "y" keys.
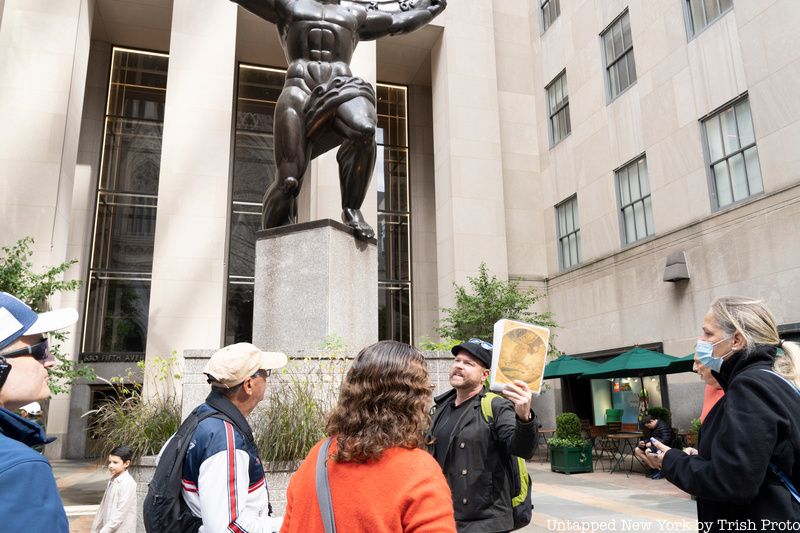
{"x": 571, "y": 460}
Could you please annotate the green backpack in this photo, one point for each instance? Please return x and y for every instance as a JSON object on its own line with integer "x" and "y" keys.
{"x": 520, "y": 479}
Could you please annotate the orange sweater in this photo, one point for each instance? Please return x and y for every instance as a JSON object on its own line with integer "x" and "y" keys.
{"x": 404, "y": 491}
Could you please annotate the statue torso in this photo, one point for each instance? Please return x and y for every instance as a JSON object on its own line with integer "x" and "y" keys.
{"x": 319, "y": 40}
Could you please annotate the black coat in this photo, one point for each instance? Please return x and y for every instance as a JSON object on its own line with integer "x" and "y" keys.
{"x": 755, "y": 423}
{"x": 477, "y": 463}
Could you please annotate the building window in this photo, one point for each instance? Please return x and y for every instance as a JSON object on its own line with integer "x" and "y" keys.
{"x": 394, "y": 216}
{"x": 253, "y": 171}
{"x": 732, "y": 152}
{"x": 701, "y": 13}
{"x": 618, "y": 48}
{"x": 558, "y": 108}
{"x": 569, "y": 236}
{"x": 121, "y": 264}
{"x": 551, "y": 9}
{"x": 636, "y": 208}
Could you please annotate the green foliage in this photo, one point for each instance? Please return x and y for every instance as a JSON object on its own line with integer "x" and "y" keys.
{"x": 298, "y": 399}
{"x": 443, "y": 346}
{"x": 661, "y": 413}
{"x": 568, "y": 425}
{"x": 488, "y": 300}
{"x": 18, "y": 278}
{"x": 568, "y": 431}
{"x": 292, "y": 421}
{"x": 144, "y": 424}
{"x": 695, "y": 426}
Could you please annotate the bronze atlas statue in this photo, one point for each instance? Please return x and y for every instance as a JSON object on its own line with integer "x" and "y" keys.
{"x": 322, "y": 104}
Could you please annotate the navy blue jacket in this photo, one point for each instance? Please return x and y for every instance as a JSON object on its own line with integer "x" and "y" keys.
{"x": 29, "y": 499}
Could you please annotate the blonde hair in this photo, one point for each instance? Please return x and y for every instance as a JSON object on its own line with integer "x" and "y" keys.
{"x": 756, "y": 324}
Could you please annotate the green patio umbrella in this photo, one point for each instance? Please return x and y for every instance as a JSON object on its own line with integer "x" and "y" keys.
{"x": 566, "y": 366}
{"x": 636, "y": 363}
{"x": 680, "y": 364}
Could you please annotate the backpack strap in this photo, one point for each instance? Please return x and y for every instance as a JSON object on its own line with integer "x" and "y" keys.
{"x": 519, "y": 462}
{"x": 486, "y": 408}
{"x": 324, "y": 488}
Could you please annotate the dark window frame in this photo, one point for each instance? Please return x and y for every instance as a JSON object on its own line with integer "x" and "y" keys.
{"x": 554, "y": 113}
{"x": 610, "y": 63}
{"x": 562, "y": 238}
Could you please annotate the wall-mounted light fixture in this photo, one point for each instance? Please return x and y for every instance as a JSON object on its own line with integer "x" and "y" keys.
{"x": 676, "y": 269}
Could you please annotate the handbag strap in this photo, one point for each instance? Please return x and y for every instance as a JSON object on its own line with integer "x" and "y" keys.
{"x": 324, "y": 488}
{"x": 772, "y": 466}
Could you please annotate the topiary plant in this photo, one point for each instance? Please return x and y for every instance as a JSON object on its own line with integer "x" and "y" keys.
{"x": 568, "y": 431}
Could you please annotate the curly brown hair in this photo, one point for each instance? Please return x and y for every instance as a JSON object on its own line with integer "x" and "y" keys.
{"x": 383, "y": 403}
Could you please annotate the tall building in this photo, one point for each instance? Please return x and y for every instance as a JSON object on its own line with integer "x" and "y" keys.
{"x": 575, "y": 146}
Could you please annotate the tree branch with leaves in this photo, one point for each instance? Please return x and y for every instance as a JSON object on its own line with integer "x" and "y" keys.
{"x": 18, "y": 278}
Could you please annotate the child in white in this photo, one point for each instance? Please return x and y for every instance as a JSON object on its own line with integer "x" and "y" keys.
{"x": 117, "y": 512}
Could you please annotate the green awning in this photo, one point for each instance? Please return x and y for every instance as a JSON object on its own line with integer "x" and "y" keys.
{"x": 637, "y": 362}
{"x": 566, "y": 366}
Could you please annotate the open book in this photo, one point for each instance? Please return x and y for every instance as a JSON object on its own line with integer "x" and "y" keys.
{"x": 519, "y": 353}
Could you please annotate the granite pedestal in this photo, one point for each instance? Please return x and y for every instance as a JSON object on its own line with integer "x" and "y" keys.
{"x": 313, "y": 280}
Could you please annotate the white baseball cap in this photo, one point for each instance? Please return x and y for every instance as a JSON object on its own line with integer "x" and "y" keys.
{"x": 233, "y": 364}
{"x": 17, "y": 319}
{"x": 32, "y": 408}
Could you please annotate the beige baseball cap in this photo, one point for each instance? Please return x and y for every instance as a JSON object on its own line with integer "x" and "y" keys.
{"x": 233, "y": 364}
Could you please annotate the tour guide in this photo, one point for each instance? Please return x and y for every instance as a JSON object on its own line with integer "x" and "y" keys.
{"x": 475, "y": 459}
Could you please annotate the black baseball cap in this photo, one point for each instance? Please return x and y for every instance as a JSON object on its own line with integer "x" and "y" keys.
{"x": 480, "y": 350}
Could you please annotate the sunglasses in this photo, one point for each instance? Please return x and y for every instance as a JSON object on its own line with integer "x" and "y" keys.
{"x": 483, "y": 344}
{"x": 264, "y": 373}
{"x": 39, "y": 351}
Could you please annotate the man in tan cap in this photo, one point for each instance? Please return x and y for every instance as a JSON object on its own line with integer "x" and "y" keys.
{"x": 223, "y": 479}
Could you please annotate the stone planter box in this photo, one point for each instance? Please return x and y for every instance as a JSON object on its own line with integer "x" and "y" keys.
{"x": 569, "y": 460}
{"x": 277, "y": 474}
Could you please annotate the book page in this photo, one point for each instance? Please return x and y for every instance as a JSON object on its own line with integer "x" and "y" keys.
{"x": 519, "y": 353}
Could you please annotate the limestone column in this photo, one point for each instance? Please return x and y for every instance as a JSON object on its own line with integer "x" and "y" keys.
{"x": 186, "y": 297}
{"x": 321, "y": 197}
{"x": 44, "y": 53}
{"x": 470, "y": 211}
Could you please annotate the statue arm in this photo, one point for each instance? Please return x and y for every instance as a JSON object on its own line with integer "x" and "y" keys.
{"x": 269, "y": 10}
{"x": 380, "y": 23}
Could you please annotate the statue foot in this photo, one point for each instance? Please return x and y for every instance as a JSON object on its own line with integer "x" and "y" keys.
{"x": 354, "y": 219}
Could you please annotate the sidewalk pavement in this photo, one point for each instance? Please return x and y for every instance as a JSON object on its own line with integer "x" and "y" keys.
{"x": 585, "y": 503}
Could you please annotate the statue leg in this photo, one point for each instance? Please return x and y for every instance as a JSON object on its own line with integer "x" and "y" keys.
{"x": 291, "y": 158}
{"x": 356, "y": 122}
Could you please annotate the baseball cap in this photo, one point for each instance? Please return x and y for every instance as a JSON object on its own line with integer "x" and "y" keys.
{"x": 33, "y": 408}
{"x": 234, "y": 363}
{"x": 480, "y": 350}
{"x": 17, "y": 319}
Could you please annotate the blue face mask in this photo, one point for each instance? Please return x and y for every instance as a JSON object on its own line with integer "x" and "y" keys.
{"x": 705, "y": 357}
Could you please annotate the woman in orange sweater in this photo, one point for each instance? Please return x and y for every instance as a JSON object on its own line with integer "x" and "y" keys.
{"x": 381, "y": 478}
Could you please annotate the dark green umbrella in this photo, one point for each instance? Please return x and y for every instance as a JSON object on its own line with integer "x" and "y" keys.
{"x": 566, "y": 366}
{"x": 636, "y": 363}
{"x": 680, "y": 364}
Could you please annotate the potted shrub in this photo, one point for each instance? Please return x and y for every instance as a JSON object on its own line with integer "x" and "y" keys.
{"x": 569, "y": 451}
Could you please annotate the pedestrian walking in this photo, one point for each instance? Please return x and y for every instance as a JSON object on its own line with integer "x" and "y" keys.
{"x": 747, "y": 468}
{"x": 117, "y": 512}
{"x": 380, "y": 479}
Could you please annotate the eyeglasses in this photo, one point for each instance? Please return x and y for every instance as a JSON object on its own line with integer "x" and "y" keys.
{"x": 39, "y": 351}
{"x": 483, "y": 344}
{"x": 263, "y": 372}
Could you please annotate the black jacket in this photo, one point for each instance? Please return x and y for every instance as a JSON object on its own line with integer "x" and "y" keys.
{"x": 477, "y": 463}
{"x": 755, "y": 423}
{"x": 663, "y": 433}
